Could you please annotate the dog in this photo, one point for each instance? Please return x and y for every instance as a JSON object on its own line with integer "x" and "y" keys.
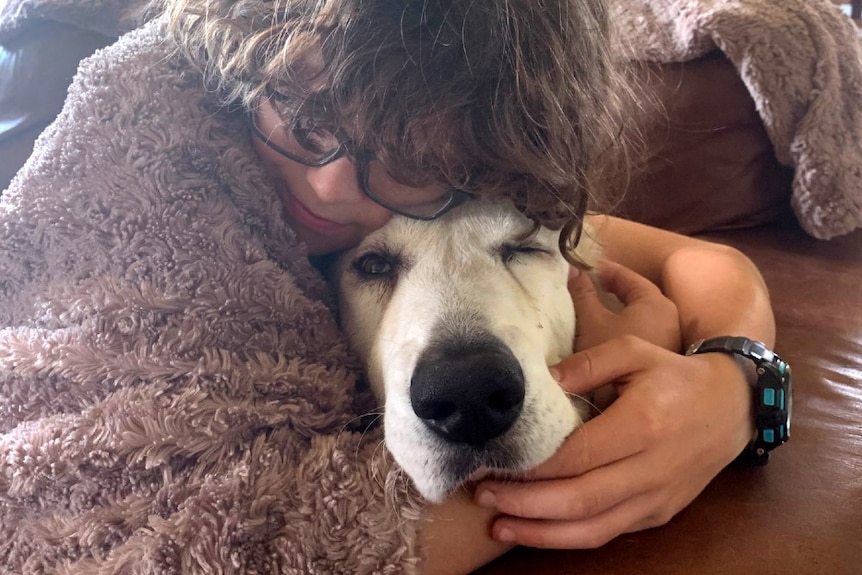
{"x": 456, "y": 322}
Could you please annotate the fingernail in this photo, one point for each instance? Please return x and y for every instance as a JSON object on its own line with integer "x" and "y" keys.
{"x": 556, "y": 374}
{"x": 486, "y": 498}
{"x": 574, "y": 272}
{"x": 505, "y": 535}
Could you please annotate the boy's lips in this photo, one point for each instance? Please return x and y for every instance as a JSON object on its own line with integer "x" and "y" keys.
{"x": 307, "y": 218}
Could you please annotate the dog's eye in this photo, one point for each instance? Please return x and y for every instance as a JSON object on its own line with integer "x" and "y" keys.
{"x": 374, "y": 265}
{"x": 510, "y": 252}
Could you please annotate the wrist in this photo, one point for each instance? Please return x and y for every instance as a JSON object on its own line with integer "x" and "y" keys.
{"x": 736, "y": 381}
{"x": 772, "y": 391}
{"x": 455, "y": 536}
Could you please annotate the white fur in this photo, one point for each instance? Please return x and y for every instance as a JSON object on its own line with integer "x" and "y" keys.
{"x": 448, "y": 277}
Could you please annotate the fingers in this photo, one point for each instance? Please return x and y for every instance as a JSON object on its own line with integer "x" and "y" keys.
{"x": 626, "y": 284}
{"x": 626, "y": 303}
{"x": 596, "y": 517}
{"x": 580, "y": 512}
{"x": 634, "y": 514}
{"x": 584, "y": 496}
{"x": 599, "y": 442}
{"x": 588, "y": 307}
{"x": 607, "y": 362}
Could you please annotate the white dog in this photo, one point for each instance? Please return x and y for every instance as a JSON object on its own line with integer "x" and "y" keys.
{"x": 456, "y": 322}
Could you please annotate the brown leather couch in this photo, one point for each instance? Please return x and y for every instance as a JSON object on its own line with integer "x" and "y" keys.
{"x": 711, "y": 171}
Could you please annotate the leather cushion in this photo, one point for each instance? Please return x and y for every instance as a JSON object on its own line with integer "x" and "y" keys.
{"x": 710, "y": 164}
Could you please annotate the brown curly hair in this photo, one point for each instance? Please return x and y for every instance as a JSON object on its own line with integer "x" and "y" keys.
{"x": 494, "y": 97}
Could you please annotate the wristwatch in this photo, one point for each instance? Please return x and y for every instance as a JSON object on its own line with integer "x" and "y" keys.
{"x": 773, "y": 392}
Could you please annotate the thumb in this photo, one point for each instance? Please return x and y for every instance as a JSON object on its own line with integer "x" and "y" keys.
{"x": 627, "y": 285}
{"x": 613, "y": 361}
{"x": 588, "y": 307}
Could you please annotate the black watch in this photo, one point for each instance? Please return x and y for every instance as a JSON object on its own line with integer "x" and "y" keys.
{"x": 773, "y": 391}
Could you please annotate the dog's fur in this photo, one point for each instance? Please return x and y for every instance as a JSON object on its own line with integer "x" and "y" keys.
{"x": 451, "y": 306}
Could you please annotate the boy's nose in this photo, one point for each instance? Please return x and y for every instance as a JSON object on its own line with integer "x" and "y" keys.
{"x": 336, "y": 182}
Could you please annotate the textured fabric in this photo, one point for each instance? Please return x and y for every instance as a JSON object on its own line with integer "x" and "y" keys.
{"x": 802, "y": 62}
{"x": 106, "y": 17}
{"x": 176, "y": 396}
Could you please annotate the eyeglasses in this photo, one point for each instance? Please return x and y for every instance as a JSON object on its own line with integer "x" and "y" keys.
{"x": 313, "y": 146}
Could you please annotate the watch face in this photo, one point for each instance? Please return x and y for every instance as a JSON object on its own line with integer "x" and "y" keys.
{"x": 773, "y": 404}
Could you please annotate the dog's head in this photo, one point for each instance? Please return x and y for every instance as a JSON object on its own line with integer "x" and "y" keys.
{"x": 456, "y": 321}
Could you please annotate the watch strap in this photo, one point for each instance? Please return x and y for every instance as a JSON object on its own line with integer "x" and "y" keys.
{"x": 752, "y": 349}
{"x": 771, "y": 392}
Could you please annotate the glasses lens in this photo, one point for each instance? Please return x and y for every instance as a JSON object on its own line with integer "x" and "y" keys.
{"x": 420, "y": 202}
{"x": 312, "y": 141}
{"x": 304, "y": 143}
{"x": 314, "y": 146}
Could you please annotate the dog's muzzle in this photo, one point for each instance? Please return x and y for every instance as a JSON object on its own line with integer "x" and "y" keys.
{"x": 468, "y": 392}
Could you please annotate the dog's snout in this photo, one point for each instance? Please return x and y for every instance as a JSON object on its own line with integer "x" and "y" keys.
{"x": 468, "y": 393}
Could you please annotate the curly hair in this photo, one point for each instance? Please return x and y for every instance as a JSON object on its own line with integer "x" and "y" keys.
{"x": 495, "y": 97}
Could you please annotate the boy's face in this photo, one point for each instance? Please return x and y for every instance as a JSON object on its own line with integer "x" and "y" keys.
{"x": 325, "y": 206}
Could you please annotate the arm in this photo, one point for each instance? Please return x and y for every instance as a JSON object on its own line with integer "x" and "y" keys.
{"x": 716, "y": 289}
{"x": 456, "y": 537}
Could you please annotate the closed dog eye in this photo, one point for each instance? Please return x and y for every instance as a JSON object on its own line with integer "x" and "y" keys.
{"x": 512, "y": 252}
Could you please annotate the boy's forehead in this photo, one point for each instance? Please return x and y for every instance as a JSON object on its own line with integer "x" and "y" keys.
{"x": 304, "y": 73}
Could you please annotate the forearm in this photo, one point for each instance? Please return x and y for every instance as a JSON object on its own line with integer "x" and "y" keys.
{"x": 456, "y": 537}
{"x": 717, "y": 290}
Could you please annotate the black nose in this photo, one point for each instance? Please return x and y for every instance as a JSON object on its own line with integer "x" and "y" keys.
{"x": 468, "y": 392}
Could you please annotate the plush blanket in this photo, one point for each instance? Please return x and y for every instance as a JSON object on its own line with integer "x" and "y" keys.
{"x": 175, "y": 396}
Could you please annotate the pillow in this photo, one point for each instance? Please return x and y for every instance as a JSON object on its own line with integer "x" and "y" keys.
{"x": 709, "y": 163}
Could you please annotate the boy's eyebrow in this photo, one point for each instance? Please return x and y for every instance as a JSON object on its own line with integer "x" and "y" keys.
{"x": 275, "y": 94}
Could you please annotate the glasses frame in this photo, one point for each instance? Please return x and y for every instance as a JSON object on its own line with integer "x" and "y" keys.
{"x": 362, "y": 160}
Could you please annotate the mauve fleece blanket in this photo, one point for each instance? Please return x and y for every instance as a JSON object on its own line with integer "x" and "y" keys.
{"x": 175, "y": 396}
